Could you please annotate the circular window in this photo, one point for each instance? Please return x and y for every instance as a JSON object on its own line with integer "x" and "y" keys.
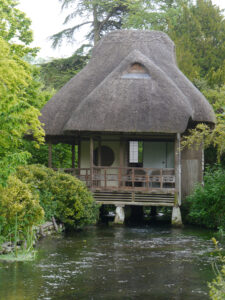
{"x": 107, "y": 156}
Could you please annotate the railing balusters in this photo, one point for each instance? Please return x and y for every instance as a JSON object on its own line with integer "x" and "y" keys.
{"x": 125, "y": 179}
{"x": 147, "y": 180}
{"x": 161, "y": 179}
{"x": 133, "y": 178}
{"x": 105, "y": 178}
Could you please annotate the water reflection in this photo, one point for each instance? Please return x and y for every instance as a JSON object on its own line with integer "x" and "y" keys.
{"x": 114, "y": 263}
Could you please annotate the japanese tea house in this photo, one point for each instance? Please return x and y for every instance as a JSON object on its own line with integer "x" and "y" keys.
{"x": 127, "y": 111}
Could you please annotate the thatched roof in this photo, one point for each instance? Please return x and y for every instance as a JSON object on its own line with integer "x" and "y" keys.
{"x": 109, "y": 96}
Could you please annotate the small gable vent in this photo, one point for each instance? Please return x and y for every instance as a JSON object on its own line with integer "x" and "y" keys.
{"x": 136, "y": 71}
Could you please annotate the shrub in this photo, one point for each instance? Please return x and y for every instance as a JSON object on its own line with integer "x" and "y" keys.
{"x": 39, "y": 178}
{"x": 61, "y": 195}
{"x": 19, "y": 209}
{"x": 207, "y": 203}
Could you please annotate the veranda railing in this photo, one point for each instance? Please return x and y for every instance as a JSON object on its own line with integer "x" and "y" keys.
{"x": 137, "y": 179}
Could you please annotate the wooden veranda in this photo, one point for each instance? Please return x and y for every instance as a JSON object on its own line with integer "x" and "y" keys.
{"x": 133, "y": 186}
{"x": 125, "y": 185}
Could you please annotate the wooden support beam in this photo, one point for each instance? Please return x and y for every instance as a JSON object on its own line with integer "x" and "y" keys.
{"x": 177, "y": 162}
{"x": 132, "y": 172}
{"x": 105, "y": 179}
{"x": 161, "y": 179}
{"x": 99, "y": 160}
{"x": 73, "y": 156}
{"x": 50, "y": 155}
{"x": 203, "y": 164}
{"x": 99, "y": 152}
{"x": 120, "y": 183}
{"x": 91, "y": 161}
{"x": 79, "y": 155}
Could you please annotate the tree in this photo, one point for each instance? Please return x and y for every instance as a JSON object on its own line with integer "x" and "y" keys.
{"x": 17, "y": 115}
{"x": 14, "y": 23}
{"x": 58, "y": 72}
{"x": 201, "y": 30}
{"x": 101, "y": 15}
{"x": 198, "y": 31}
{"x": 18, "y": 89}
{"x": 203, "y": 134}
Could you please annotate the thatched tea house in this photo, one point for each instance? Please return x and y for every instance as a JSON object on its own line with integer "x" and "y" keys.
{"x": 126, "y": 111}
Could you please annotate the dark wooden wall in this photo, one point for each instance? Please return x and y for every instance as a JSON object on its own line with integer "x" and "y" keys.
{"x": 191, "y": 170}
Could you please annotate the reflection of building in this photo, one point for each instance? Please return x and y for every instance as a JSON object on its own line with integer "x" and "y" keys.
{"x": 126, "y": 111}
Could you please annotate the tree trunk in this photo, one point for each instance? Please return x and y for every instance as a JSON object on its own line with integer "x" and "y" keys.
{"x": 96, "y": 25}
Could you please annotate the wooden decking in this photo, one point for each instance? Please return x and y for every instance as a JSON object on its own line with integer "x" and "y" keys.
{"x": 134, "y": 198}
{"x": 129, "y": 186}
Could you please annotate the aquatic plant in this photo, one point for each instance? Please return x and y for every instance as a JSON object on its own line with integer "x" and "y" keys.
{"x": 217, "y": 286}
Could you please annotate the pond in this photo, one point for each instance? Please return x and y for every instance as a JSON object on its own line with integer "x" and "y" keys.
{"x": 103, "y": 262}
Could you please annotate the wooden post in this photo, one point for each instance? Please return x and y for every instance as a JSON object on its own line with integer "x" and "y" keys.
{"x": 50, "y": 155}
{"x": 132, "y": 177}
{"x": 147, "y": 180}
{"x": 177, "y": 167}
{"x": 99, "y": 152}
{"x": 99, "y": 171}
{"x": 91, "y": 161}
{"x": 176, "y": 214}
{"x": 105, "y": 179}
{"x": 79, "y": 156}
{"x": 120, "y": 183}
{"x": 161, "y": 179}
{"x": 203, "y": 164}
{"x": 73, "y": 156}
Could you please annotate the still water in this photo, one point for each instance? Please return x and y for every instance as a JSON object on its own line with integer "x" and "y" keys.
{"x": 147, "y": 262}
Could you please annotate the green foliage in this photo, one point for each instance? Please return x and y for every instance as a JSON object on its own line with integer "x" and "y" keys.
{"x": 198, "y": 31}
{"x": 19, "y": 89}
{"x": 17, "y": 115}
{"x": 15, "y": 28}
{"x": 100, "y": 15}
{"x": 61, "y": 195}
{"x": 61, "y": 154}
{"x": 58, "y": 72}
{"x": 203, "y": 134}
{"x": 217, "y": 286}
{"x": 19, "y": 209}
{"x": 14, "y": 23}
{"x": 200, "y": 28}
{"x": 207, "y": 203}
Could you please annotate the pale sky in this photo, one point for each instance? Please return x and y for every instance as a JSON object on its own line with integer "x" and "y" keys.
{"x": 47, "y": 19}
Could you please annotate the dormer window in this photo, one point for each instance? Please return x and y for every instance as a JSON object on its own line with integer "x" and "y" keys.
{"x": 136, "y": 71}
